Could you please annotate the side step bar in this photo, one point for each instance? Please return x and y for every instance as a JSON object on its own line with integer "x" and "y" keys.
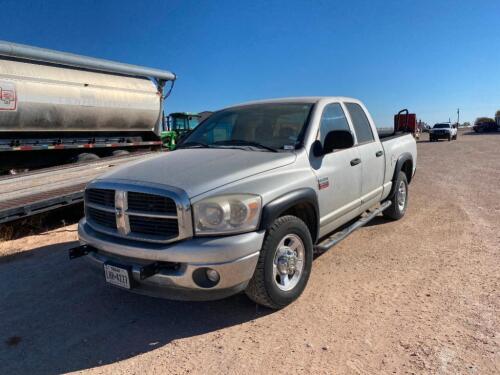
{"x": 339, "y": 236}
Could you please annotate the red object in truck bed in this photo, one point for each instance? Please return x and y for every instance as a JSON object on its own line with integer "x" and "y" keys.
{"x": 405, "y": 122}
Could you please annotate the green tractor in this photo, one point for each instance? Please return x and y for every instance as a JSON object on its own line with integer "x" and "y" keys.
{"x": 177, "y": 125}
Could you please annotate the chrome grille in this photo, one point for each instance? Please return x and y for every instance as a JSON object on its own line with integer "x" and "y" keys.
{"x": 138, "y": 212}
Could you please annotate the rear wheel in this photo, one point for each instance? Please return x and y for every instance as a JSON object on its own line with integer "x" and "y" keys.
{"x": 86, "y": 156}
{"x": 120, "y": 152}
{"x": 399, "y": 200}
{"x": 284, "y": 264}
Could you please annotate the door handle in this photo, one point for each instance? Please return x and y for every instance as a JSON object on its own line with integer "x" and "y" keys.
{"x": 355, "y": 162}
{"x": 379, "y": 154}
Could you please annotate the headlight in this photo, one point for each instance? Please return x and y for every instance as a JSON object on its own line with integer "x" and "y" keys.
{"x": 227, "y": 214}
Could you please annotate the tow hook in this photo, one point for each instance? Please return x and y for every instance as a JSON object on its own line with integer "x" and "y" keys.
{"x": 80, "y": 251}
{"x": 149, "y": 270}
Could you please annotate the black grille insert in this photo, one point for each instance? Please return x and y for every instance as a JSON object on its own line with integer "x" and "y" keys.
{"x": 103, "y": 218}
{"x": 104, "y": 197}
{"x": 162, "y": 228}
{"x": 151, "y": 203}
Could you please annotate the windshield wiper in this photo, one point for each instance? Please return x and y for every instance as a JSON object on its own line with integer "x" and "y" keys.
{"x": 192, "y": 145}
{"x": 241, "y": 142}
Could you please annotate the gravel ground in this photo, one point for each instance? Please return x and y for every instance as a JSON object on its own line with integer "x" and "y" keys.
{"x": 420, "y": 295}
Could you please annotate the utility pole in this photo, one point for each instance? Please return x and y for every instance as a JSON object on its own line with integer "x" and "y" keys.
{"x": 458, "y": 121}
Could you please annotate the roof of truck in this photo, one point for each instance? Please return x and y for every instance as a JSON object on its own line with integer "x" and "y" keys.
{"x": 298, "y": 99}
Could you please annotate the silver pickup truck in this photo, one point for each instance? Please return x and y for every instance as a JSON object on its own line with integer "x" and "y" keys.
{"x": 245, "y": 200}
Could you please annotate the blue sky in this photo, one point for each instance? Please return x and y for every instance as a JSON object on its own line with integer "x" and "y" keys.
{"x": 429, "y": 56}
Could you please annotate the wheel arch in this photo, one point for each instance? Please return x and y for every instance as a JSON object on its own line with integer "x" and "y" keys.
{"x": 302, "y": 203}
{"x": 405, "y": 165}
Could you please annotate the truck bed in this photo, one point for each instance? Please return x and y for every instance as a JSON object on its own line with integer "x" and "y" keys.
{"x": 47, "y": 189}
{"x": 387, "y": 137}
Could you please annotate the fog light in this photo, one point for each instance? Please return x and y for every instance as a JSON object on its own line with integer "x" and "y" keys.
{"x": 212, "y": 275}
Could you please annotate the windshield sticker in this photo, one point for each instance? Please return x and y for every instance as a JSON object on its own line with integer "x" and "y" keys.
{"x": 288, "y": 147}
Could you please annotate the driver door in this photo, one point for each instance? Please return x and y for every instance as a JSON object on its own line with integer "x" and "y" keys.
{"x": 338, "y": 174}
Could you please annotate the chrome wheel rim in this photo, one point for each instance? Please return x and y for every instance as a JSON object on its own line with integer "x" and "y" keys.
{"x": 401, "y": 195}
{"x": 288, "y": 264}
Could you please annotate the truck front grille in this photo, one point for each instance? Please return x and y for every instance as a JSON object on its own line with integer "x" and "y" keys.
{"x": 103, "y": 218}
{"x": 151, "y": 203}
{"x": 126, "y": 211}
{"x": 104, "y": 197}
{"x": 159, "y": 227}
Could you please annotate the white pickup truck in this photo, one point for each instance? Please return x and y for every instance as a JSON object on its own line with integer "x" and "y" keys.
{"x": 244, "y": 201}
{"x": 443, "y": 130}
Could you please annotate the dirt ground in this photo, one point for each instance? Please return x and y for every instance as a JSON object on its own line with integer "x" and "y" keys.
{"x": 420, "y": 295}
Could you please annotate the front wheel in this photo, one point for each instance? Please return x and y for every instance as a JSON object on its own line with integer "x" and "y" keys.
{"x": 284, "y": 264}
{"x": 399, "y": 200}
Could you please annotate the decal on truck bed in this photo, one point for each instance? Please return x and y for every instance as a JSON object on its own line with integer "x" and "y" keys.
{"x": 8, "y": 97}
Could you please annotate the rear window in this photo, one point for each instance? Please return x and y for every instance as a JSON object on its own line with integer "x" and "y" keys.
{"x": 442, "y": 126}
{"x": 360, "y": 122}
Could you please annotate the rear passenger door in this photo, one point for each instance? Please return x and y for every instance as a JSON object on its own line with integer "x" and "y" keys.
{"x": 371, "y": 155}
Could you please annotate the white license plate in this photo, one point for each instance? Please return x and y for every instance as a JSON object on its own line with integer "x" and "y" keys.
{"x": 117, "y": 276}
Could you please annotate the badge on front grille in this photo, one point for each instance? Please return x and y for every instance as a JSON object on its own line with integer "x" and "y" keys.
{"x": 122, "y": 223}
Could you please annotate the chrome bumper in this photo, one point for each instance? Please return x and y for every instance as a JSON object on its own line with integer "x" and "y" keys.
{"x": 233, "y": 257}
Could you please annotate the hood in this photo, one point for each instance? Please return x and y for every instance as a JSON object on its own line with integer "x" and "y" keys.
{"x": 199, "y": 170}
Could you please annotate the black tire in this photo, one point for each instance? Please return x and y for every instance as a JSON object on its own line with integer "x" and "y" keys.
{"x": 395, "y": 211}
{"x": 86, "y": 156}
{"x": 262, "y": 288}
{"x": 449, "y": 137}
{"x": 120, "y": 152}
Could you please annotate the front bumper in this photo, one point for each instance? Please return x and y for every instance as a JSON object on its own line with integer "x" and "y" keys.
{"x": 233, "y": 257}
{"x": 440, "y": 135}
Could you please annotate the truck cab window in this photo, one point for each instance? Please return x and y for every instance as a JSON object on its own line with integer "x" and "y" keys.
{"x": 360, "y": 122}
{"x": 332, "y": 118}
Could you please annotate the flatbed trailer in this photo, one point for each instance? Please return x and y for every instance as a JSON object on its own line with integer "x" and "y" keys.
{"x": 50, "y": 188}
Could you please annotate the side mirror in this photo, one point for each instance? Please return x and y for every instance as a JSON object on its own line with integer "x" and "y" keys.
{"x": 317, "y": 149}
{"x": 337, "y": 140}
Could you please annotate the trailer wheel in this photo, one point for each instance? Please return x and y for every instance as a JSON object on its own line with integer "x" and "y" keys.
{"x": 399, "y": 199}
{"x": 284, "y": 264}
{"x": 86, "y": 156}
{"x": 120, "y": 152}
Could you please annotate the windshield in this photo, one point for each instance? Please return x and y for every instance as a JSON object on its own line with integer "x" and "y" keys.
{"x": 178, "y": 123}
{"x": 276, "y": 126}
{"x": 193, "y": 122}
{"x": 441, "y": 126}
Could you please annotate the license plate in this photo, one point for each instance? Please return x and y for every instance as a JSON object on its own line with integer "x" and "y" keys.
{"x": 117, "y": 275}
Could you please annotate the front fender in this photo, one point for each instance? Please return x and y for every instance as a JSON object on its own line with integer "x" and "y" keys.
{"x": 278, "y": 206}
